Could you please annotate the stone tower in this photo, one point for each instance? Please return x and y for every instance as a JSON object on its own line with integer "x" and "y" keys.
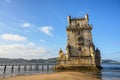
{"x": 80, "y": 50}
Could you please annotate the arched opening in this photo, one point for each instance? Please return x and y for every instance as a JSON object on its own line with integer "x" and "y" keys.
{"x": 79, "y": 49}
{"x": 80, "y": 41}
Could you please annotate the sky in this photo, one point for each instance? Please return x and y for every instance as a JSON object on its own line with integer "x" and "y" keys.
{"x": 34, "y": 29}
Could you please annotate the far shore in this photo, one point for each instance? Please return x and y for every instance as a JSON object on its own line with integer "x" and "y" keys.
{"x": 56, "y": 76}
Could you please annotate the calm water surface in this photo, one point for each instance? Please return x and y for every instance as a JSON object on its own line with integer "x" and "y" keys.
{"x": 110, "y": 72}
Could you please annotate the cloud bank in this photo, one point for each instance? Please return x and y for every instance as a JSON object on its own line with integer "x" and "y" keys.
{"x": 13, "y": 37}
{"x": 28, "y": 51}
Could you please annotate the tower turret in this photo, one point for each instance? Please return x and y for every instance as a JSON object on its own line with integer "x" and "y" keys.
{"x": 69, "y": 17}
{"x": 86, "y": 17}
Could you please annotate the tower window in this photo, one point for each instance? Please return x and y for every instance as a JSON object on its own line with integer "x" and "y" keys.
{"x": 79, "y": 48}
{"x": 80, "y": 39}
{"x": 77, "y": 32}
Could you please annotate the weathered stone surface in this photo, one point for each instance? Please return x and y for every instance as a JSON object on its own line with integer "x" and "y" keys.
{"x": 76, "y": 68}
{"x": 80, "y": 50}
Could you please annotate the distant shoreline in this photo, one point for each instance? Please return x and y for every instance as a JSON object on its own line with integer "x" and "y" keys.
{"x": 49, "y": 60}
{"x": 56, "y": 76}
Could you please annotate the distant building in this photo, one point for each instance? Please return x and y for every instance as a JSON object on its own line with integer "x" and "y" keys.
{"x": 80, "y": 50}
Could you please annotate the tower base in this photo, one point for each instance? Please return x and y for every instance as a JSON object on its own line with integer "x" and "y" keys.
{"x": 76, "y": 68}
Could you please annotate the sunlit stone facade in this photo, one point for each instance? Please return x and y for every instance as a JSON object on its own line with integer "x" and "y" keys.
{"x": 80, "y": 49}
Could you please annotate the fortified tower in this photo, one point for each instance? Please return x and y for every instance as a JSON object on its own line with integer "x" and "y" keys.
{"x": 80, "y": 50}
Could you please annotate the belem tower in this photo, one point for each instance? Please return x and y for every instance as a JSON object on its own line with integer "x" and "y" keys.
{"x": 80, "y": 49}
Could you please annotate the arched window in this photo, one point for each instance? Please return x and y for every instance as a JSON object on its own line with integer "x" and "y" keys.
{"x": 80, "y": 41}
{"x": 79, "y": 48}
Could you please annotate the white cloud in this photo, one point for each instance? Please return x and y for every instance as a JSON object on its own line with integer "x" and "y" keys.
{"x": 47, "y": 30}
{"x": 26, "y": 25}
{"x": 22, "y": 51}
{"x": 42, "y": 40}
{"x": 13, "y": 37}
{"x": 31, "y": 44}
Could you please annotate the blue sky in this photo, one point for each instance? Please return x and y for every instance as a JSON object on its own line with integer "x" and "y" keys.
{"x": 37, "y": 28}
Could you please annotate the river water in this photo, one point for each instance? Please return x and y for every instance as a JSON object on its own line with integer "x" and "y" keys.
{"x": 109, "y": 71}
